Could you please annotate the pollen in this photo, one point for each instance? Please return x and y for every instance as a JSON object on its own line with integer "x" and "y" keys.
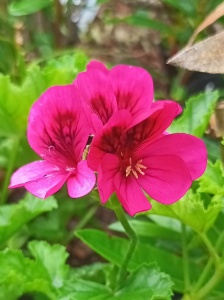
{"x": 135, "y": 169}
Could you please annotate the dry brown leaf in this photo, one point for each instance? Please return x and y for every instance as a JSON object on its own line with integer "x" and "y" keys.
{"x": 206, "y": 56}
{"x": 217, "y": 13}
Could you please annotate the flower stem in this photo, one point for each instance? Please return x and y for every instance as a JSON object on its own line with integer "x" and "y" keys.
{"x": 11, "y": 164}
{"x": 133, "y": 242}
{"x": 185, "y": 259}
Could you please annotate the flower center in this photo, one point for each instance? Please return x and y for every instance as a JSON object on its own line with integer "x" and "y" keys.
{"x": 135, "y": 169}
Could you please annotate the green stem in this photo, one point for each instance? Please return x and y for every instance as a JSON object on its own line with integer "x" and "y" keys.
{"x": 85, "y": 220}
{"x": 210, "y": 285}
{"x": 209, "y": 265}
{"x": 185, "y": 259}
{"x": 133, "y": 242}
{"x": 203, "y": 275}
{"x": 211, "y": 249}
{"x": 11, "y": 165}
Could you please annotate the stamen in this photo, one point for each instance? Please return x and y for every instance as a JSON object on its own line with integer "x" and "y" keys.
{"x": 139, "y": 170}
{"x": 135, "y": 173}
{"x": 128, "y": 171}
{"x": 135, "y": 169}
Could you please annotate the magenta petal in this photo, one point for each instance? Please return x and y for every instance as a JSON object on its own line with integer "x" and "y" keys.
{"x": 47, "y": 186}
{"x": 108, "y": 139}
{"x": 133, "y": 89}
{"x": 106, "y": 173}
{"x": 55, "y": 129}
{"x": 166, "y": 178}
{"x": 97, "y": 95}
{"x": 145, "y": 132}
{"x": 97, "y": 65}
{"x": 130, "y": 194}
{"x": 189, "y": 148}
{"x": 82, "y": 182}
{"x": 33, "y": 171}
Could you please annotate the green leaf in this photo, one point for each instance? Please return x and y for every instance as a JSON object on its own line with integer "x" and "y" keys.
{"x": 196, "y": 115}
{"x": 191, "y": 211}
{"x": 19, "y": 8}
{"x": 212, "y": 181}
{"x": 13, "y": 217}
{"x": 147, "y": 282}
{"x": 148, "y": 229}
{"x": 52, "y": 259}
{"x": 19, "y": 275}
{"x": 186, "y": 7}
{"x": 142, "y": 19}
{"x": 114, "y": 248}
{"x": 45, "y": 274}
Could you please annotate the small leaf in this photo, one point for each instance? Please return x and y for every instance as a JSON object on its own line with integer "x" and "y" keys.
{"x": 196, "y": 115}
{"x": 20, "y": 8}
{"x": 19, "y": 275}
{"x": 142, "y": 19}
{"x": 13, "y": 217}
{"x": 191, "y": 211}
{"x": 52, "y": 259}
{"x": 186, "y": 7}
{"x": 212, "y": 181}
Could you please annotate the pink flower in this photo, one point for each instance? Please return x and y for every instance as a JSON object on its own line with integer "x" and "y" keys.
{"x": 104, "y": 92}
{"x": 58, "y": 133}
{"x": 131, "y": 160}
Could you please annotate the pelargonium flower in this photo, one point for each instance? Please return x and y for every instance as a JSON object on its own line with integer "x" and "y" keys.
{"x": 139, "y": 159}
{"x": 104, "y": 92}
{"x": 58, "y": 133}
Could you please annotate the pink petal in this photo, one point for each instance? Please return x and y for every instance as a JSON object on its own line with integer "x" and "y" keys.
{"x": 47, "y": 186}
{"x": 133, "y": 89}
{"x": 166, "y": 178}
{"x": 97, "y": 95}
{"x": 145, "y": 132}
{"x": 106, "y": 173}
{"x": 55, "y": 129}
{"x": 82, "y": 182}
{"x": 130, "y": 194}
{"x": 97, "y": 65}
{"x": 189, "y": 148}
{"x": 31, "y": 172}
{"x": 108, "y": 139}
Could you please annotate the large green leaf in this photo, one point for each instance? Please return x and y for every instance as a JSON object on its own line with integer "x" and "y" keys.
{"x": 147, "y": 282}
{"x": 26, "y": 7}
{"x": 196, "y": 115}
{"x": 191, "y": 211}
{"x": 13, "y": 217}
{"x": 114, "y": 248}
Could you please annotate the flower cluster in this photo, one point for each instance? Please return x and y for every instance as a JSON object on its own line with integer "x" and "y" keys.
{"x": 130, "y": 149}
